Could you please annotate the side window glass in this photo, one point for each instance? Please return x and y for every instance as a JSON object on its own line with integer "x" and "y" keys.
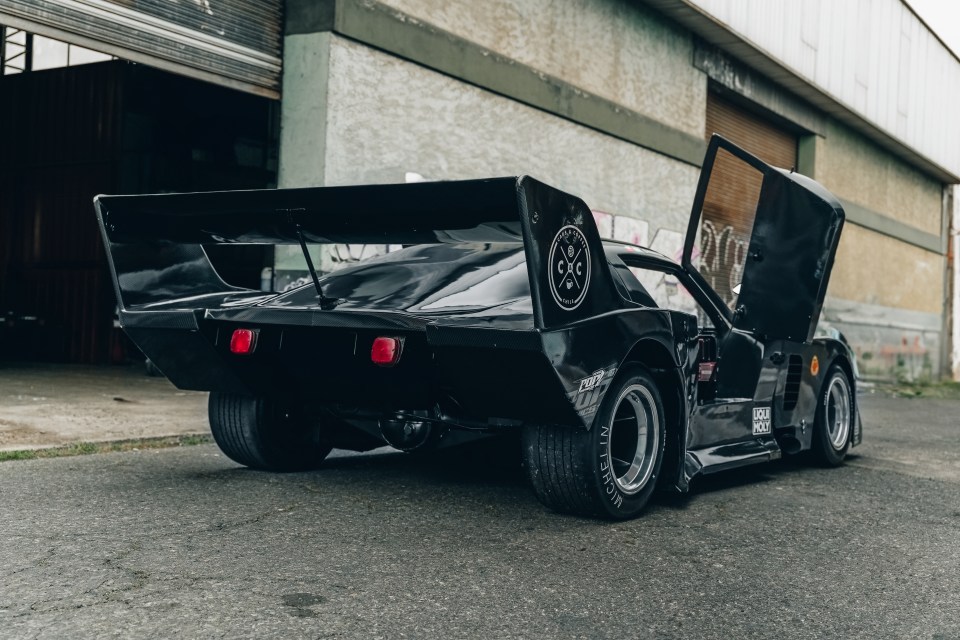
{"x": 669, "y": 293}
{"x": 631, "y": 287}
{"x": 618, "y": 282}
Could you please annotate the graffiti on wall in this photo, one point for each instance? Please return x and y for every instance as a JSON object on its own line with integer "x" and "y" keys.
{"x": 623, "y": 228}
{"x": 723, "y": 256}
{"x": 881, "y": 354}
{"x": 665, "y": 289}
{"x": 337, "y": 256}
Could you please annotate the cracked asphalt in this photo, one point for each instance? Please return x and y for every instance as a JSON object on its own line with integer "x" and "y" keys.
{"x": 183, "y": 543}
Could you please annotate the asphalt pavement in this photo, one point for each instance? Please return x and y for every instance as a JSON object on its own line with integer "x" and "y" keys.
{"x": 182, "y": 542}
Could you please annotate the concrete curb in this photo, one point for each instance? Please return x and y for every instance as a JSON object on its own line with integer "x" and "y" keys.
{"x": 45, "y": 406}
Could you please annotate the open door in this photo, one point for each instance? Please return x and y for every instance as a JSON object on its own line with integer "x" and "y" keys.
{"x": 762, "y": 241}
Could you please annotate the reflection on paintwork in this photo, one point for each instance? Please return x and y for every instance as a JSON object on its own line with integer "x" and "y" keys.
{"x": 426, "y": 279}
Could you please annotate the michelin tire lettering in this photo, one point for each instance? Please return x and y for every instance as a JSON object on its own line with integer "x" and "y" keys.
{"x": 609, "y": 486}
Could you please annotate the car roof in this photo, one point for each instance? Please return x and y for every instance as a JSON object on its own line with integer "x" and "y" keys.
{"x": 626, "y": 248}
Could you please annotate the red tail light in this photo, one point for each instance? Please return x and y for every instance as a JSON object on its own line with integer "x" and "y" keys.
{"x": 243, "y": 341}
{"x": 386, "y": 351}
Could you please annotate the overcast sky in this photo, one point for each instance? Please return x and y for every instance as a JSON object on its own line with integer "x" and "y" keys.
{"x": 943, "y": 16}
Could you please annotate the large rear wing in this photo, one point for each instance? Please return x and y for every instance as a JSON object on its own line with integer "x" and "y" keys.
{"x": 155, "y": 242}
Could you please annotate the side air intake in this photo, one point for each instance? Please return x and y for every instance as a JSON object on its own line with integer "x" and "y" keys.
{"x": 792, "y": 390}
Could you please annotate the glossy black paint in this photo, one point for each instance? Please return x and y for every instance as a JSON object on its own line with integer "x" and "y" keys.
{"x": 792, "y": 248}
{"x": 511, "y": 308}
{"x": 475, "y": 282}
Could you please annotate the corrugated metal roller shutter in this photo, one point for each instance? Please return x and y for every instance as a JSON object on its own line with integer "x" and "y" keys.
{"x": 235, "y": 43}
{"x": 748, "y": 130}
{"x": 730, "y": 202}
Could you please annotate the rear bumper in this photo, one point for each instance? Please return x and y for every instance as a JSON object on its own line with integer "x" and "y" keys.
{"x": 470, "y": 373}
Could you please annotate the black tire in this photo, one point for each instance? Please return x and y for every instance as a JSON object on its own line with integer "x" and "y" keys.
{"x": 589, "y": 472}
{"x": 834, "y": 422}
{"x": 263, "y": 433}
{"x": 152, "y": 369}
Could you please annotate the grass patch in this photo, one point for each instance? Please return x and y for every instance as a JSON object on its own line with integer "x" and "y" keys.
{"x": 947, "y": 389}
{"x": 86, "y": 448}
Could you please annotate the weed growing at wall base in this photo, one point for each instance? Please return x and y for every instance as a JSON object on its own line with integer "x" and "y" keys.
{"x": 86, "y": 448}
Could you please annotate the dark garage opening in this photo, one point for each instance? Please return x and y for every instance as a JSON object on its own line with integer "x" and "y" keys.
{"x": 108, "y": 127}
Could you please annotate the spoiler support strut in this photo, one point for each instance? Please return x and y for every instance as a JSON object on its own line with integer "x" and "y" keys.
{"x": 325, "y": 303}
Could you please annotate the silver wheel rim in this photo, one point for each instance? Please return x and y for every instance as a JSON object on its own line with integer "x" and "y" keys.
{"x": 838, "y": 412}
{"x": 634, "y": 439}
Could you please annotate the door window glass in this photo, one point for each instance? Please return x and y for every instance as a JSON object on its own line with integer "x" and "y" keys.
{"x": 667, "y": 292}
{"x": 726, "y": 224}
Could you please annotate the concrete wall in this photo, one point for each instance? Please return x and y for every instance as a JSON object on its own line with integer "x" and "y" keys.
{"x": 303, "y": 116}
{"x": 618, "y": 50}
{"x": 874, "y": 268}
{"x": 355, "y": 114}
{"x": 607, "y": 100}
{"x": 855, "y": 168}
{"x": 388, "y": 117}
{"x": 887, "y": 295}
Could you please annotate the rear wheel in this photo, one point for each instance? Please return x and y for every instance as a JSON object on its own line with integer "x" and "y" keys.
{"x": 265, "y": 433}
{"x": 611, "y": 470}
{"x": 834, "y": 421}
{"x": 152, "y": 369}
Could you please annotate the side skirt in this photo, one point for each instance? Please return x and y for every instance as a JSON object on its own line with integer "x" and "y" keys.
{"x": 730, "y": 456}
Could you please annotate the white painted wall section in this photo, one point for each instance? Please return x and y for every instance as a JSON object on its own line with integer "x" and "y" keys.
{"x": 875, "y": 57}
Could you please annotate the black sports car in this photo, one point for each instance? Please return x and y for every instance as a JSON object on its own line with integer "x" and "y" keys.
{"x": 505, "y": 311}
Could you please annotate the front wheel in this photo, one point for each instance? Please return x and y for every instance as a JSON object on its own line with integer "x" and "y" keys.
{"x": 834, "y": 421}
{"x": 611, "y": 470}
{"x": 265, "y": 433}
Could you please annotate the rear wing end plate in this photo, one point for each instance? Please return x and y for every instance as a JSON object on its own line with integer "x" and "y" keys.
{"x": 155, "y": 242}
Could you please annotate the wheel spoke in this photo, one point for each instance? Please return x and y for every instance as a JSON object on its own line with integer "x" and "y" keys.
{"x": 633, "y": 471}
{"x": 634, "y": 438}
{"x": 838, "y": 412}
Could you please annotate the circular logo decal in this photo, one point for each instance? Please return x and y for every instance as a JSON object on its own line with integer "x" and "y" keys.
{"x": 569, "y": 266}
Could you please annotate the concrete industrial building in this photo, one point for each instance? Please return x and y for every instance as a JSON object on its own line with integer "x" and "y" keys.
{"x": 612, "y": 100}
